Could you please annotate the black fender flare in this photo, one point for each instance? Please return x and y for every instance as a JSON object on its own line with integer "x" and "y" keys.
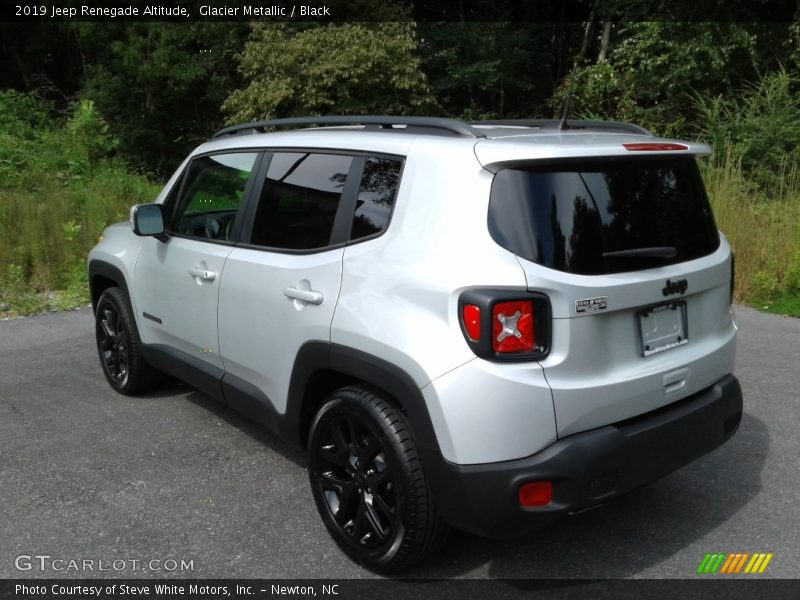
{"x": 108, "y": 271}
{"x": 371, "y": 370}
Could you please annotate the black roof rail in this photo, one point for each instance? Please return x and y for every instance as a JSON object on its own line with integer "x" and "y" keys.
{"x": 547, "y": 124}
{"x": 447, "y": 126}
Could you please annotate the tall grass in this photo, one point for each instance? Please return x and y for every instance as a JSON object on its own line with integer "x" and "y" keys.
{"x": 762, "y": 225}
{"x": 58, "y": 190}
{"x": 60, "y": 187}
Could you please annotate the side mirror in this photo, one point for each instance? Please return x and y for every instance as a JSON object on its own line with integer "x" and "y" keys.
{"x": 148, "y": 220}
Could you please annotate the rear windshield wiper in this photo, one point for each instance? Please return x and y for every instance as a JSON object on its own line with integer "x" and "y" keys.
{"x": 654, "y": 252}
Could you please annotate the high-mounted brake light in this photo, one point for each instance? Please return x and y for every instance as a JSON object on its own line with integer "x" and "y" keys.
{"x": 654, "y": 146}
{"x": 512, "y": 326}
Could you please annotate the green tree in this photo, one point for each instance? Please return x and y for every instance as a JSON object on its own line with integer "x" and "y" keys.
{"x": 653, "y": 70}
{"x": 492, "y": 69}
{"x": 160, "y": 85}
{"x": 347, "y": 68}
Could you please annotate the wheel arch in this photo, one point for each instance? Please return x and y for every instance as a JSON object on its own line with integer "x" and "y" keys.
{"x": 102, "y": 276}
{"x": 321, "y": 368}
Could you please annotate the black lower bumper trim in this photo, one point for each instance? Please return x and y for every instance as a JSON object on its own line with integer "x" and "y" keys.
{"x": 585, "y": 468}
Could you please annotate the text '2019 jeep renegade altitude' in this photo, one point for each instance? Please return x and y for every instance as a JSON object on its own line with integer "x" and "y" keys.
{"x": 482, "y": 326}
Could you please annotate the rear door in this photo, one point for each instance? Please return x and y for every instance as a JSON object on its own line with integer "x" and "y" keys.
{"x": 177, "y": 282}
{"x": 638, "y": 277}
{"x": 281, "y": 286}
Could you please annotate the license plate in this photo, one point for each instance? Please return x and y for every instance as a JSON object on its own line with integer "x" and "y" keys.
{"x": 663, "y": 327}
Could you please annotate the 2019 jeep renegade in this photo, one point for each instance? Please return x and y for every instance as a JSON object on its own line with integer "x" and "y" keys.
{"x": 482, "y": 326}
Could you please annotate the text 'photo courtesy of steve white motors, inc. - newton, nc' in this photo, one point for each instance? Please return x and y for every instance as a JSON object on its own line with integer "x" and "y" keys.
{"x": 287, "y": 11}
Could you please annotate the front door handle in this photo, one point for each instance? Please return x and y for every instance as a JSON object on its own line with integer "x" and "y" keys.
{"x": 310, "y": 296}
{"x": 203, "y": 273}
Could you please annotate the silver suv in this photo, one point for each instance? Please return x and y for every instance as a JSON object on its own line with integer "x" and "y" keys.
{"x": 482, "y": 325}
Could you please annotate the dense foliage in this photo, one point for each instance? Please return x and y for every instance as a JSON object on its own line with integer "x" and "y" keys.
{"x": 84, "y": 105}
{"x": 353, "y": 68}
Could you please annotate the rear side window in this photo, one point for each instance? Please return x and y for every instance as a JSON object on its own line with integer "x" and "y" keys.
{"x": 376, "y": 196}
{"x": 299, "y": 200}
{"x": 582, "y": 217}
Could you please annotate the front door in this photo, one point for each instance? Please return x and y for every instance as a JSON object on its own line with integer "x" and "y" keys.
{"x": 177, "y": 282}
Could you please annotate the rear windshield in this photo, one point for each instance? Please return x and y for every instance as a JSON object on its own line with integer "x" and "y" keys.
{"x": 580, "y": 216}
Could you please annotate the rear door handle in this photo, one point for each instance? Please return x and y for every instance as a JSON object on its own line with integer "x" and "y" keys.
{"x": 310, "y": 296}
{"x": 201, "y": 273}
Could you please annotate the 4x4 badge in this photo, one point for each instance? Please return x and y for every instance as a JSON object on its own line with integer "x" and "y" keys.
{"x": 675, "y": 287}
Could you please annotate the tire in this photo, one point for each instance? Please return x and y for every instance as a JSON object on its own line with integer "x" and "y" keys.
{"x": 119, "y": 346}
{"x": 368, "y": 482}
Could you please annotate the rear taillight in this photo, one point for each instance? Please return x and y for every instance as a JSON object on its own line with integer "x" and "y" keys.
{"x": 733, "y": 274}
{"x": 506, "y": 325}
{"x": 513, "y": 326}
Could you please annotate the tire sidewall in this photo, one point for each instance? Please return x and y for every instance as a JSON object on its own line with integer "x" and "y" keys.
{"x": 341, "y": 404}
{"x": 110, "y": 298}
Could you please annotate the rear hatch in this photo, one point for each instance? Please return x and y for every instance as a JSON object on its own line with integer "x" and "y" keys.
{"x": 626, "y": 247}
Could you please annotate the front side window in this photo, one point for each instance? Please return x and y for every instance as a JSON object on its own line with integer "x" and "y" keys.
{"x": 212, "y": 193}
{"x": 299, "y": 200}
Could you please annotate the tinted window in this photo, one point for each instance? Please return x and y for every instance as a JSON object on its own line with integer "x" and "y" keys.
{"x": 571, "y": 216}
{"x": 299, "y": 200}
{"x": 375, "y": 197}
{"x": 212, "y": 195}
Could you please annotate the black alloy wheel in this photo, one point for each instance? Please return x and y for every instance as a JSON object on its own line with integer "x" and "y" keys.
{"x": 112, "y": 343}
{"x": 368, "y": 482}
{"x": 119, "y": 345}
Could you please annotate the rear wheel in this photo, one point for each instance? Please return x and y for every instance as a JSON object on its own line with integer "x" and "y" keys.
{"x": 368, "y": 483}
{"x": 119, "y": 346}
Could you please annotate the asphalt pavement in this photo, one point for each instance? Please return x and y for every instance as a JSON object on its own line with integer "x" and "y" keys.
{"x": 174, "y": 484}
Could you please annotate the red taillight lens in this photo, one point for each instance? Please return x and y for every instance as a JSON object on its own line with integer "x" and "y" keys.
{"x": 535, "y": 493}
{"x": 654, "y": 146}
{"x": 512, "y": 326}
{"x": 471, "y": 315}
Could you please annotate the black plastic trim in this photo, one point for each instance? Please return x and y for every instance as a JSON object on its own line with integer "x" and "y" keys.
{"x": 250, "y": 401}
{"x": 313, "y": 357}
{"x": 319, "y": 356}
{"x": 99, "y": 268}
{"x": 197, "y": 373}
{"x": 588, "y": 468}
{"x": 147, "y": 315}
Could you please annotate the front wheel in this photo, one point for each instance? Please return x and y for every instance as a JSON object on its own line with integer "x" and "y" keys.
{"x": 119, "y": 346}
{"x": 368, "y": 482}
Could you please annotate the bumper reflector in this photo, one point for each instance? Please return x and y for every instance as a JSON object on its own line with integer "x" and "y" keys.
{"x": 535, "y": 493}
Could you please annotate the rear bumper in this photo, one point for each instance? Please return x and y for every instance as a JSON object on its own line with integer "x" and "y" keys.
{"x": 587, "y": 468}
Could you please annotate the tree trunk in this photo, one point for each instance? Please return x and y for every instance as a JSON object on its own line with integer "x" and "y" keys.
{"x": 604, "y": 42}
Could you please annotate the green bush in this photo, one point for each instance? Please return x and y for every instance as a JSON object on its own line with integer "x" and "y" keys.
{"x": 761, "y": 125}
{"x": 59, "y": 188}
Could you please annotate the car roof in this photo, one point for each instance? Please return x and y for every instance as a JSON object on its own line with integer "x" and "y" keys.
{"x": 495, "y": 142}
